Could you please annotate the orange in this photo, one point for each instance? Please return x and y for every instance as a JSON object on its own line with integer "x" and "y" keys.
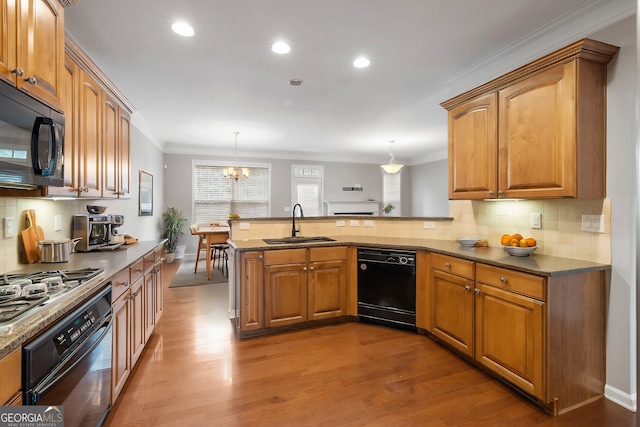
{"x": 514, "y": 242}
{"x": 505, "y": 239}
{"x": 531, "y": 242}
{"x": 517, "y": 236}
{"x": 523, "y": 243}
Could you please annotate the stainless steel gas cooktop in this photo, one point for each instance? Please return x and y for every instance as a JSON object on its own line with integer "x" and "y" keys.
{"x": 24, "y": 295}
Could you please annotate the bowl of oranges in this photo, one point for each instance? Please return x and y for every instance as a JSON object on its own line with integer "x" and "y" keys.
{"x": 517, "y": 245}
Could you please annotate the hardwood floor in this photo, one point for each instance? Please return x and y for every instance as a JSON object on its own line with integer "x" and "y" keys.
{"x": 194, "y": 372}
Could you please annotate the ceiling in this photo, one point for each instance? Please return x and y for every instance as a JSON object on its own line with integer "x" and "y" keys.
{"x": 191, "y": 94}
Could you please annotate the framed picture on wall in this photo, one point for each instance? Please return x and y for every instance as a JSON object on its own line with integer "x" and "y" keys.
{"x": 145, "y": 200}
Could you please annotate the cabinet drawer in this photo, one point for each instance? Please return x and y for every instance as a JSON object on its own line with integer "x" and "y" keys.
{"x": 120, "y": 284}
{"x": 460, "y": 267}
{"x": 522, "y": 283}
{"x": 158, "y": 254}
{"x": 285, "y": 256}
{"x": 149, "y": 261}
{"x": 137, "y": 270}
{"x": 328, "y": 253}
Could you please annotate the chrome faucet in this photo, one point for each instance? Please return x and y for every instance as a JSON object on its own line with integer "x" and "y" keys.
{"x": 294, "y": 230}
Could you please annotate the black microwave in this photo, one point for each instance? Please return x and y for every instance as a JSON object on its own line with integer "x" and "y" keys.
{"x": 31, "y": 142}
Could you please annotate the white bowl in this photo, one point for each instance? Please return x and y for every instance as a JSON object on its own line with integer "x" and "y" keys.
{"x": 518, "y": 251}
{"x": 468, "y": 241}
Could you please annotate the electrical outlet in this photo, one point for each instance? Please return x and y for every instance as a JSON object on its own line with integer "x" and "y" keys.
{"x": 244, "y": 226}
{"x": 368, "y": 223}
{"x": 354, "y": 223}
{"x": 9, "y": 227}
{"x": 57, "y": 222}
{"x": 536, "y": 220}
{"x": 429, "y": 224}
{"x": 341, "y": 223}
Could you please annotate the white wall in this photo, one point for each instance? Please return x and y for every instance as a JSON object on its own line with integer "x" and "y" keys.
{"x": 429, "y": 189}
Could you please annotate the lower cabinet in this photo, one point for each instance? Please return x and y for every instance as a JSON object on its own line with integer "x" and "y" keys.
{"x": 284, "y": 287}
{"x": 543, "y": 334}
{"x": 10, "y": 372}
{"x": 136, "y": 307}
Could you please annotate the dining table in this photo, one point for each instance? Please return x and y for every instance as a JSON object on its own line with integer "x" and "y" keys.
{"x": 213, "y": 234}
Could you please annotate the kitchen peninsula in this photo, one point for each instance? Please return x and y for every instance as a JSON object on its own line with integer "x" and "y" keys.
{"x": 536, "y": 322}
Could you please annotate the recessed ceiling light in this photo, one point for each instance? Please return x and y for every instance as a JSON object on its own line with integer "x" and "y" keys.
{"x": 183, "y": 29}
{"x": 280, "y": 47}
{"x": 361, "y": 62}
{"x": 296, "y": 82}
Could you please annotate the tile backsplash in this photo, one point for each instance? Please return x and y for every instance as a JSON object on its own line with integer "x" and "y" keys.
{"x": 560, "y": 233}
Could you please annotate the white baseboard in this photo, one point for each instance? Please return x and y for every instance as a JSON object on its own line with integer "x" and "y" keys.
{"x": 628, "y": 401}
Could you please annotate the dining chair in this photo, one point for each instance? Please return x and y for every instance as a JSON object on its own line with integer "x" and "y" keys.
{"x": 202, "y": 244}
{"x": 219, "y": 253}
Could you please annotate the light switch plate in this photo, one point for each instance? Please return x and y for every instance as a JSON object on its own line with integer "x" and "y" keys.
{"x": 244, "y": 226}
{"x": 593, "y": 223}
{"x": 429, "y": 225}
{"x": 340, "y": 223}
{"x": 536, "y": 220}
{"x": 368, "y": 223}
{"x": 354, "y": 223}
{"x": 57, "y": 222}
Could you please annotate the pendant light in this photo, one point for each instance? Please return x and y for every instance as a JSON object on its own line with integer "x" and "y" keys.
{"x": 235, "y": 172}
{"x": 392, "y": 167}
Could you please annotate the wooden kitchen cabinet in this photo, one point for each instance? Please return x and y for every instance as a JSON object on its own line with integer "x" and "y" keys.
{"x": 121, "y": 354}
{"x": 452, "y": 302}
{"x": 285, "y": 279}
{"x": 10, "y": 372}
{"x": 138, "y": 335}
{"x": 158, "y": 285}
{"x": 327, "y": 283}
{"x": 537, "y": 132}
{"x": 116, "y": 149}
{"x": 250, "y": 291}
{"x": 32, "y": 47}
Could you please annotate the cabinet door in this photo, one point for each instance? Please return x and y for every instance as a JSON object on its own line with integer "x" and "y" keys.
{"x": 538, "y": 135}
{"x": 510, "y": 337}
{"x": 285, "y": 294}
{"x": 149, "y": 297}
{"x": 124, "y": 155}
{"x": 41, "y": 52}
{"x": 137, "y": 320}
{"x": 327, "y": 289}
{"x": 250, "y": 291}
{"x": 89, "y": 132}
{"x": 158, "y": 291}
{"x": 8, "y": 41}
{"x": 452, "y": 310}
{"x": 121, "y": 356}
{"x": 10, "y": 368}
{"x": 473, "y": 145}
{"x": 110, "y": 151}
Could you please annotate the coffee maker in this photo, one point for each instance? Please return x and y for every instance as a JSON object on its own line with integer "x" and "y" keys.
{"x": 96, "y": 231}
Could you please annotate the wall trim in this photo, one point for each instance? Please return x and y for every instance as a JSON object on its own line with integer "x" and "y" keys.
{"x": 627, "y": 401}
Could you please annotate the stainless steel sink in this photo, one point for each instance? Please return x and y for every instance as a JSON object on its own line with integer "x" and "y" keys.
{"x": 300, "y": 239}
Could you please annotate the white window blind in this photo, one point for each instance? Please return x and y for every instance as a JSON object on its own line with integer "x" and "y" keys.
{"x": 215, "y": 197}
{"x": 391, "y": 190}
{"x": 307, "y": 184}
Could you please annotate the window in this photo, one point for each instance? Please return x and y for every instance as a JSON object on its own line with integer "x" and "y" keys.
{"x": 215, "y": 197}
{"x": 391, "y": 193}
{"x": 306, "y": 188}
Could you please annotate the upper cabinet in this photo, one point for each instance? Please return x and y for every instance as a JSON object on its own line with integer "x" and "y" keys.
{"x": 97, "y": 133}
{"x": 32, "y": 47}
{"x": 537, "y": 132}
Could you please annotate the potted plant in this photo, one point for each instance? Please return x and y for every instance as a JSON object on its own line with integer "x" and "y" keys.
{"x": 388, "y": 208}
{"x": 172, "y": 224}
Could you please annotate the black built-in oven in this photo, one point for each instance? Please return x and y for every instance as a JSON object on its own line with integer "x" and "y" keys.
{"x": 31, "y": 142}
{"x": 69, "y": 365}
{"x": 387, "y": 287}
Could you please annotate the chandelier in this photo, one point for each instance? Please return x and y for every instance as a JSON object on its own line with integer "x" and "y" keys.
{"x": 392, "y": 167}
{"x": 234, "y": 171}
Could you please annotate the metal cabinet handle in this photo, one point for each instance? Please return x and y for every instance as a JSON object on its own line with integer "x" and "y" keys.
{"x": 259, "y": 256}
{"x": 491, "y": 192}
{"x": 476, "y": 290}
{"x": 31, "y": 80}
{"x": 468, "y": 288}
{"x": 503, "y": 279}
{"x": 304, "y": 269}
{"x": 18, "y": 71}
{"x": 446, "y": 264}
{"x": 311, "y": 268}
{"x": 500, "y": 193}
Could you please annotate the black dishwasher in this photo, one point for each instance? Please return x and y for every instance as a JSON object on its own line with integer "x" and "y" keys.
{"x": 387, "y": 287}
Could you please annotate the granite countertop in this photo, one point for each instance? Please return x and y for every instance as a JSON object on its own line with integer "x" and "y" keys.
{"x": 112, "y": 262}
{"x": 538, "y": 264}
